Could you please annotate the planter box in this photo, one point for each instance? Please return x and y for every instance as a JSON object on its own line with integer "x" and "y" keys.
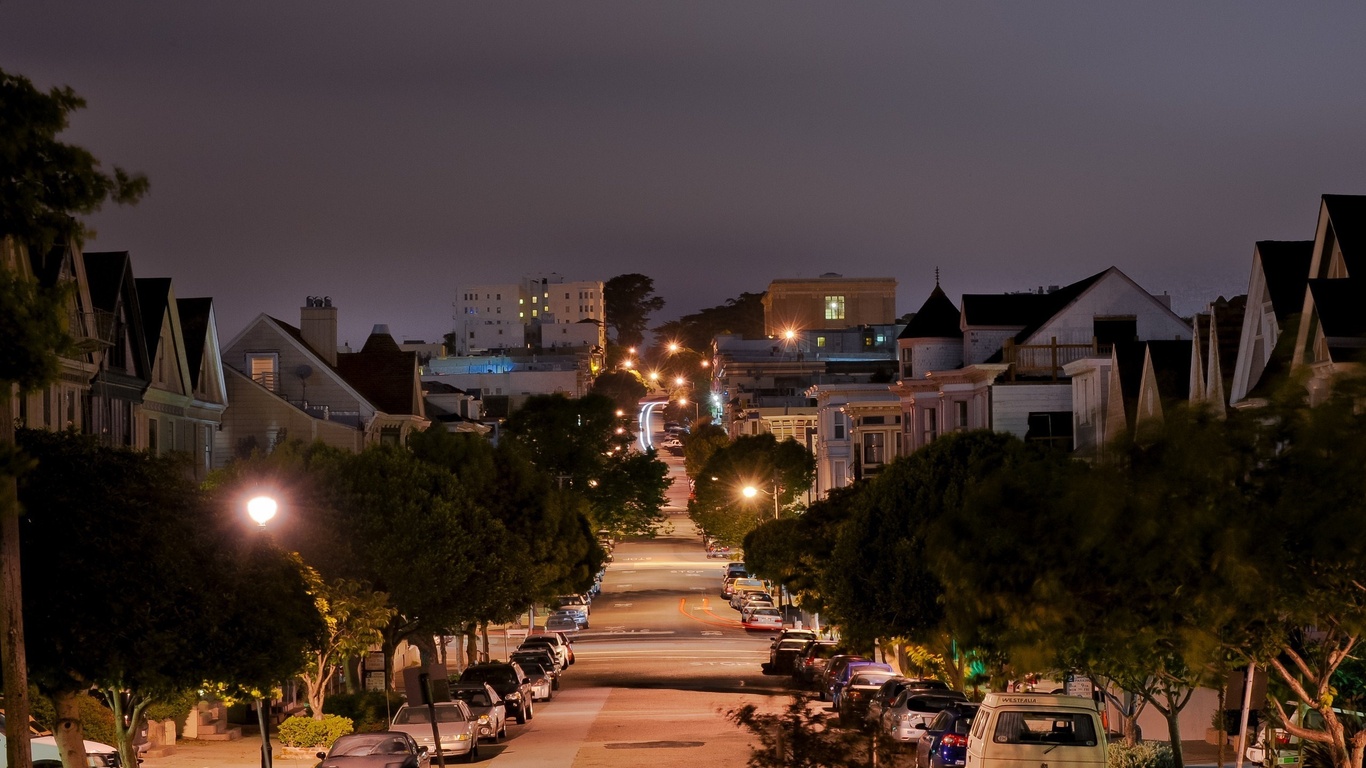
{"x": 1215, "y": 736}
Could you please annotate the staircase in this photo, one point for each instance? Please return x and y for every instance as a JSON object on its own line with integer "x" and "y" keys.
{"x": 209, "y": 723}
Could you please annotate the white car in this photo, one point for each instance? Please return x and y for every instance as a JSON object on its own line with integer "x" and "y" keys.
{"x": 457, "y": 726}
{"x": 763, "y": 618}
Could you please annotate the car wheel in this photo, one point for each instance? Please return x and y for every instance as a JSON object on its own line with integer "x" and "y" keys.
{"x": 530, "y": 711}
{"x": 521, "y": 714}
{"x": 555, "y": 684}
{"x": 473, "y": 754}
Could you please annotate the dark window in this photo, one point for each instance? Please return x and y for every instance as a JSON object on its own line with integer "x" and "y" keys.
{"x": 1111, "y": 330}
{"x": 1053, "y": 427}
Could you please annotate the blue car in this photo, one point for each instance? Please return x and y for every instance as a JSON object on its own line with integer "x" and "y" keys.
{"x": 945, "y": 743}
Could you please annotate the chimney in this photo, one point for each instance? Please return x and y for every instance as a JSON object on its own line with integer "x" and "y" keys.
{"x": 318, "y": 325}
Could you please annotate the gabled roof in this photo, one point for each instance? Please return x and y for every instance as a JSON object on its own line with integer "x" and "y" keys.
{"x": 1028, "y": 310}
{"x": 110, "y": 282}
{"x": 1171, "y": 367}
{"x": 1348, "y": 216}
{"x": 1228, "y": 326}
{"x": 153, "y": 293}
{"x": 1341, "y": 308}
{"x": 1285, "y": 265}
{"x": 937, "y": 318}
{"x": 194, "y": 323}
{"x": 384, "y": 374}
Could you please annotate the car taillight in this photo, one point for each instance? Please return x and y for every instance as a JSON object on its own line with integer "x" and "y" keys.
{"x": 1282, "y": 739}
{"x": 954, "y": 740}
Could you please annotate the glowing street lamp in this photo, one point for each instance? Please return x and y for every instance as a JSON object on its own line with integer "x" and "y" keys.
{"x": 680, "y": 381}
{"x": 673, "y": 347}
{"x": 262, "y": 509}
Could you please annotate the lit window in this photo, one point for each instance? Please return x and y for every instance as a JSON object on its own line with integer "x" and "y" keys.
{"x": 521, "y": 314}
{"x": 834, "y": 307}
{"x": 820, "y": 341}
{"x": 533, "y": 299}
{"x": 533, "y": 313}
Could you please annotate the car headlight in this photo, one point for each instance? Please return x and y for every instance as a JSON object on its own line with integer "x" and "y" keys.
{"x": 462, "y": 737}
{"x": 483, "y": 718}
{"x": 514, "y": 696}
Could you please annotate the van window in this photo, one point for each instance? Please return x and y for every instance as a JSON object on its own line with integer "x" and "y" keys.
{"x": 1060, "y": 728}
{"x": 979, "y": 728}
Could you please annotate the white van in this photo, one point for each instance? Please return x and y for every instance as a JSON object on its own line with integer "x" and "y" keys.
{"x": 1025, "y": 730}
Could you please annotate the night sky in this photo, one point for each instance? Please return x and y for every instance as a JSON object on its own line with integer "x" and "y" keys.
{"x": 386, "y": 153}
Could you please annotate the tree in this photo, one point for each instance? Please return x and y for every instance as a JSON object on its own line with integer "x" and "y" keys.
{"x": 699, "y": 443}
{"x": 783, "y": 469}
{"x": 577, "y": 443}
{"x": 355, "y": 616}
{"x": 627, "y": 303}
{"x": 141, "y": 587}
{"x": 46, "y": 182}
{"x": 743, "y": 316}
{"x": 625, "y": 388}
{"x": 427, "y": 541}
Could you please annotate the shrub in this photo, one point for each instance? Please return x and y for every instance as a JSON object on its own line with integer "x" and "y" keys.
{"x": 303, "y": 731}
{"x": 1145, "y": 754}
{"x": 366, "y": 709}
{"x": 175, "y": 708}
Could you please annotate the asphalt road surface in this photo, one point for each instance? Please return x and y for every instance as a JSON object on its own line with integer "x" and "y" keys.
{"x": 663, "y": 660}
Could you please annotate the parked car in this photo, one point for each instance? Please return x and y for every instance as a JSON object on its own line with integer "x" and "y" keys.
{"x": 858, "y": 692}
{"x": 578, "y": 615}
{"x": 556, "y": 642}
{"x": 377, "y": 749}
{"x": 510, "y": 681}
{"x": 739, "y": 600}
{"x": 546, "y": 654}
{"x": 833, "y": 666}
{"x": 839, "y": 682}
{"x": 735, "y": 569}
{"x": 893, "y": 688}
{"x": 782, "y": 658}
{"x": 945, "y": 743}
{"x": 576, "y": 602}
{"x": 486, "y": 707}
{"x": 912, "y": 712}
{"x": 563, "y": 622}
{"x": 544, "y": 679}
{"x": 458, "y": 729}
{"x": 742, "y": 584}
{"x": 563, "y": 639}
{"x": 811, "y": 663}
{"x": 1036, "y": 729}
{"x": 761, "y": 618}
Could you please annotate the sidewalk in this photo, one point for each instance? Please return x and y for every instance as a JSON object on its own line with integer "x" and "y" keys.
{"x": 242, "y": 753}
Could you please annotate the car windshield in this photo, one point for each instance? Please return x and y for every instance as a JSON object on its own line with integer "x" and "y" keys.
{"x": 766, "y": 612}
{"x": 368, "y": 744}
{"x": 530, "y": 666}
{"x": 871, "y": 679}
{"x": 792, "y": 645}
{"x": 416, "y": 715}
{"x": 472, "y": 697}
{"x": 489, "y": 675}
{"x": 928, "y": 703}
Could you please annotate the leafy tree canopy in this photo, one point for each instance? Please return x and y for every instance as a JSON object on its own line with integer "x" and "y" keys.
{"x": 719, "y": 505}
{"x": 627, "y": 302}
{"x": 46, "y": 182}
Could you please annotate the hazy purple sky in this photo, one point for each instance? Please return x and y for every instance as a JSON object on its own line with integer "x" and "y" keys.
{"x": 386, "y": 153}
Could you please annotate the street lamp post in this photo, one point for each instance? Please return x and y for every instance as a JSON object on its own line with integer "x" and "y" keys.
{"x": 262, "y": 509}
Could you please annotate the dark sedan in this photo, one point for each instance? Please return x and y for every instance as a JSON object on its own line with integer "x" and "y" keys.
{"x": 945, "y": 743}
{"x": 381, "y": 749}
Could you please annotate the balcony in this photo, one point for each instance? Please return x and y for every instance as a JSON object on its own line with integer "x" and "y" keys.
{"x": 1045, "y": 361}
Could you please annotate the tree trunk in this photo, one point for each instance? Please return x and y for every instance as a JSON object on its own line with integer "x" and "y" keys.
{"x": 1173, "y": 717}
{"x": 68, "y": 731}
{"x": 484, "y": 635}
{"x": 127, "y": 722}
{"x": 1223, "y": 727}
{"x": 426, "y": 648}
{"x": 471, "y": 647}
{"x": 14, "y": 667}
{"x": 352, "y": 673}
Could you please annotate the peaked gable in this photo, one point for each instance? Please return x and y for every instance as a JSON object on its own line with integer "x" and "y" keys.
{"x": 937, "y": 318}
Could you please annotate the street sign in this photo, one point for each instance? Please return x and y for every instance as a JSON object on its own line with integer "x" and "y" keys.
{"x": 1079, "y": 685}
